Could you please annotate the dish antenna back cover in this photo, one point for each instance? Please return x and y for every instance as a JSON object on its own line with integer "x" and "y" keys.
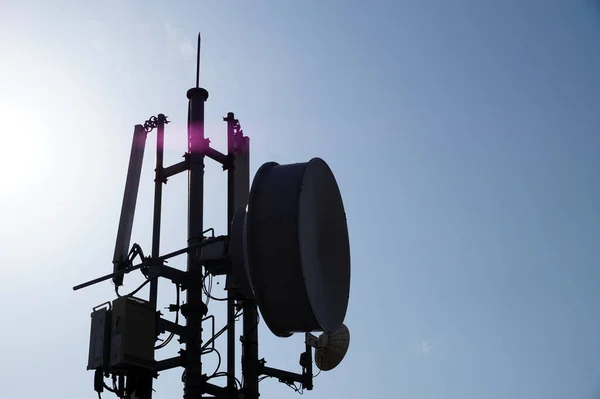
{"x": 296, "y": 247}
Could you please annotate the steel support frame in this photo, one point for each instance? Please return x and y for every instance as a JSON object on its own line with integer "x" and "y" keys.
{"x": 237, "y": 164}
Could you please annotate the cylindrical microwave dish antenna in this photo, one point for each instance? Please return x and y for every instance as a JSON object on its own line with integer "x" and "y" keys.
{"x": 297, "y": 250}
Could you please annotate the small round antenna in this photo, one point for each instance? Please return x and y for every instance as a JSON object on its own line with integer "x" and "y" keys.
{"x": 198, "y": 61}
{"x": 330, "y": 348}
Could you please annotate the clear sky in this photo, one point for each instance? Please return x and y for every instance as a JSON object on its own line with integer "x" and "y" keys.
{"x": 465, "y": 137}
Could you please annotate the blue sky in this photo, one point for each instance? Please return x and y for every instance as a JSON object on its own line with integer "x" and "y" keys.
{"x": 464, "y": 136}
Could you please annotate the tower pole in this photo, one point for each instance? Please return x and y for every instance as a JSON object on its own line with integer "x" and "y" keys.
{"x": 195, "y": 309}
{"x": 231, "y": 208}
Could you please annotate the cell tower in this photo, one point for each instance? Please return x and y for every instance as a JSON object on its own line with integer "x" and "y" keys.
{"x": 286, "y": 255}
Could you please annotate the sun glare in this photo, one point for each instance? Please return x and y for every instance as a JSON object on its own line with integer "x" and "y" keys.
{"x": 22, "y": 151}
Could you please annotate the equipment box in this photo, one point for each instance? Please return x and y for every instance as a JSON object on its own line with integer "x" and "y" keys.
{"x": 99, "y": 339}
{"x": 132, "y": 335}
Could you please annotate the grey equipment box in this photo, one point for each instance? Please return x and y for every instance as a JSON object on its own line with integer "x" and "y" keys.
{"x": 99, "y": 339}
{"x": 132, "y": 335}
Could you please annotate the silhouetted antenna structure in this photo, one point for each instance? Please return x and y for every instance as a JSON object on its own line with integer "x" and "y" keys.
{"x": 286, "y": 254}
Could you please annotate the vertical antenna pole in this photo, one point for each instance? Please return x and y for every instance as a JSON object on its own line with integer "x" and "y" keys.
{"x": 231, "y": 192}
{"x": 250, "y": 365}
{"x": 158, "y": 172}
{"x": 198, "y": 61}
{"x": 144, "y": 386}
{"x": 195, "y": 309}
{"x": 231, "y": 208}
